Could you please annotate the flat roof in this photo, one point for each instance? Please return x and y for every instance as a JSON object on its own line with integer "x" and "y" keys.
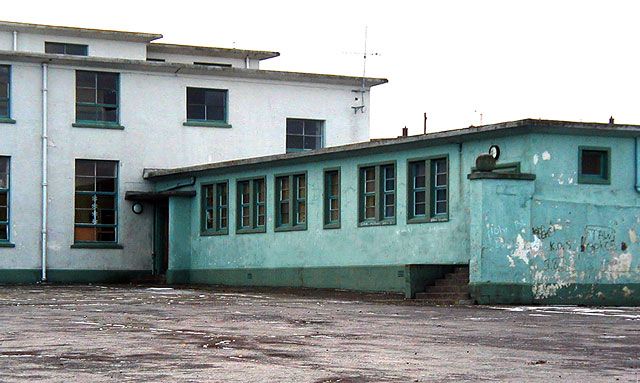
{"x": 78, "y": 32}
{"x": 175, "y": 68}
{"x": 395, "y": 144}
{"x": 210, "y": 51}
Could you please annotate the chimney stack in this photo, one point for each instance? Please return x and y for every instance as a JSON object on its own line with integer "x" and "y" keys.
{"x": 405, "y": 132}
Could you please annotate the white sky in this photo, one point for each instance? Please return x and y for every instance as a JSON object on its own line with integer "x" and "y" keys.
{"x": 567, "y": 60}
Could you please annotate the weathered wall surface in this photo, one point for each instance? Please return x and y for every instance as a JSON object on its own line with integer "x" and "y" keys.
{"x": 566, "y": 242}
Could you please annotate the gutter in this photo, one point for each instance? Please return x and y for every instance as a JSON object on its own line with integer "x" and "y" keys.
{"x": 191, "y": 182}
{"x": 45, "y": 70}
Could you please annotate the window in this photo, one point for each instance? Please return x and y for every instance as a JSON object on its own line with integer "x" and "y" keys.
{"x": 594, "y": 165}
{"x": 5, "y": 92}
{"x": 428, "y": 190}
{"x": 291, "y": 202}
{"x": 251, "y": 197}
{"x": 4, "y": 199}
{"x": 332, "y": 199}
{"x": 221, "y": 65}
{"x": 65, "y": 49}
{"x": 304, "y": 134}
{"x": 207, "y": 106}
{"x": 215, "y": 208}
{"x": 97, "y": 97}
{"x": 96, "y": 205}
{"x": 377, "y": 194}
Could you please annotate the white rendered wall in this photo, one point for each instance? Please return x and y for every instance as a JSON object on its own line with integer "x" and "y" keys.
{"x": 152, "y": 110}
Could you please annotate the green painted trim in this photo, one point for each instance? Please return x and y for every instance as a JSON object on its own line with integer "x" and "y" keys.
{"x": 290, "y": 228}
{"x": 593, "y": 179}
{"x": 28, "y": 276}
{"x": 7, "y": 244}
{"x": 429, "y": 215}
{"x": 178, "y": 277}
{"x": 97, "y": 125}
{"x": 293, "y": 202}
{"x": 6, "y": 120}
{"x": 96, "y": 245}
{"x": 379, "y": 195}
{"x": 253, "y": 205}
{"x": 116, "y": 105}
{"x": 621, "y": 294}
{"x": 204, "y": 232}
{"x": 207, "y": 124}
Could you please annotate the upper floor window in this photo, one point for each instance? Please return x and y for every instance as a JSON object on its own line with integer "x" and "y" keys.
{"x": 5, "y": 91}
{"x": 377, "y": 194}
{"x": 428, "y": 190}
{"x": 291, "y": 202}
{"x": 97, "y": 97}
{"x": 332, "y": 199}
{"x": 65, "y": 48}
{"x": 304, "y": 134}
{"x": 215, "y": 208}
{"x": 207, "y": 107}
{"x": 594, "y": 165}
{"x": 96, "y": 205}
{"x": 4, "y": 199}
{"x": 251, "y": 197}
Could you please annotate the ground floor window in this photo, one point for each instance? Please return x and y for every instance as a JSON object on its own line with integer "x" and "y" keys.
{"x": 332, "y": 198}
{"x": 594, "y": 165}
{"x": 428, "y": 189}
{"x": 215, "y": 208}
{"x": 291, "y": 202}
{"x": 251, "y": 197}
{"x": 377, "y": 196}
{"x": 4, "y": 199}
{"x": 96, "y": 202}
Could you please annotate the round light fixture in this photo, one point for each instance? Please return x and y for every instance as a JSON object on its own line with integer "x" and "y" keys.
{"x": 494, "y": 150}
{"x": 137, "y": 208}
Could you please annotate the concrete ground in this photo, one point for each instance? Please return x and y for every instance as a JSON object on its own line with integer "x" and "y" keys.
{"x": 160, "y": 334}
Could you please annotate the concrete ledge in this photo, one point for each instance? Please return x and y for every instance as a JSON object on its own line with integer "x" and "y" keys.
{"x": 501, "y": 176}
{"x": 622, "y": 294}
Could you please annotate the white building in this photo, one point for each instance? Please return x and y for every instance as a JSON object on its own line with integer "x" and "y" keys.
{"x": 83, "y": 112}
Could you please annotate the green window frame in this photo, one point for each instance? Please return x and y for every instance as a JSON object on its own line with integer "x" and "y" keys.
{"x": 215, "y": 208}
{"x": 594, "y": 165}
{"x": 251, "y": 197}
{"x": 304, "y": 134}
{"x": 66, "y": 48}
{"x": 291, "y": 201}
{"x": 5, "y": 199}
{"x": 377, "y": 194}
{"x": 5, "y": 94}
{"x": 96, "y": 202}
{"x": 428, "y": 189}
{"x": 332, "y": 211}
{"x": 207, "y": 107}
{"x": 97, "y": 99}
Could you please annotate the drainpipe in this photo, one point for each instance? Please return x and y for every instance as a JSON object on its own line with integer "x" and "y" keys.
{"x": 15, "y": 40}
{"x": 45, "y": 69}
{"x": 246, "y": 62}
{"x": 637, "y": 159}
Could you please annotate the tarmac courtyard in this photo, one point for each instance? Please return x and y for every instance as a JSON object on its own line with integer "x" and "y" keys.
{"x": 214, "y": 334}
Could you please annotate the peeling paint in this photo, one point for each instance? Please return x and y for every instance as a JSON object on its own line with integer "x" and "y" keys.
{"x": 627, "y": 291}
{"x": 546, "y": 156}
{"x": 618, "y": 266}
{"x": 535, "y": 159}
{"x": 525, "y": 249}
{"x": 632, "y": 235}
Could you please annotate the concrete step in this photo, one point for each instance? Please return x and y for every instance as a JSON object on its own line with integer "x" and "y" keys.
{"x": 452, "y": 282}
{"x": 447, "y": 289}
{"x": 462, "y": 276}
{"x": 461, "y": 269}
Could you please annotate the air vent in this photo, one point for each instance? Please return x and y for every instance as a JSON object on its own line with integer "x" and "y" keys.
{"x": 400, "y": 273}
{"x": 249, "y": 276}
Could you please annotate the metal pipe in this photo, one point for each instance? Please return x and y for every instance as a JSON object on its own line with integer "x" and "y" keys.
{"x": 15, "y": 40}
{"x": 246, "y": 62}
{"x": 45, "y": 70}
{"x": 191, "y": 182}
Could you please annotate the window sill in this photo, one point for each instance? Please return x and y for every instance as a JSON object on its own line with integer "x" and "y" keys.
{"x": 328, "y": 226}
{"x": 207, "y": 124}
{"x": 97, "y": 125}
{"x": 212, "y": 233}
{"x": 428, "y": 220}
{"x": 7, "y": 244}
{"x": 290, "y": 228}
{"x": 251, "y": 231}
{"x": 7, "y": 120}
{"x": 96, "y": 245}
{"x": 593, "y": 180}
{"x": 377, "y": 223}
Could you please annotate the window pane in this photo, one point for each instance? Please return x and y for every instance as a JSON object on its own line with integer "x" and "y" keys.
{"x": 4, "y": 89}
{"x": 284, "y": 213}
{"x": 441, "y": 207}
{"x": 195, "y": 96}
{"x": 294, "y": 142}
{"x": 4, "y": 232}
{"x": 75, "y": 49}
{"x": 107, "y": 217}
{"x": 85, "y": 184}
{"x": 4, "y": 73}
{"x": 310, "y": 143}
{"x": 85, "y": 79}
{"x": 420, "y": 197}
{"x": 86, "y": 95}
{"x": 302, "y": 187}
{"x": 106, "y": 234}
{"x": 389, "y": 212}
{"x": 84, "y": 201}
{"x": 370, "y": 213}
{"x": 53, "y": 48}
{"x": 4, "y": 216}
{"x": 106, "y": 202}
{"x": 85, "y": 234}
{"x": 441, "y": 195}
{"x": 109, "y": 114}
{"x": 389, "y": 185}
{"x": 334, "y": 204}
{"x": 223, "y": 223}
{"x": 208, "y": 196}
{"x": 105, "y": 169}
{"x": 420, "y": 209}
{"x": 107, "y": 96}
{"x": 4, "y": 108}
{"x": 389, "y": 200}
{"x": 259, "y": 185}
{"x": 195, "y": 112}
{"x": 334, "y": 216}
{"x": 3, "y": 199}
{"x": 215, "y": 98}
{"x": 86, "y": 113}
{"x": 419, "y": 182}
{"x": 441, "y": 166}
{"x": 105, "y": 184}
{"x": 215, "y": 113}
{"x": 370, "y": 201}
{"x": 592, "y": 162}
{"x": 294, "y": 126}
{"x": 441, "y": 180}
{"x": 312, "y": 128}
{"x": 107, "y": 81}
{"x": 302, "y": 212}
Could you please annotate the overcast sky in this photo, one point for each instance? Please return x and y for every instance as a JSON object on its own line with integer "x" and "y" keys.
{"x": 567, "y": 60}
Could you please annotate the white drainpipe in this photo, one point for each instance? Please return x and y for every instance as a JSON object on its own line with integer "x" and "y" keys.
{"x": 15, "y": 40}
{"x": 45, "y": 69}
{"x": 246, "y": 62}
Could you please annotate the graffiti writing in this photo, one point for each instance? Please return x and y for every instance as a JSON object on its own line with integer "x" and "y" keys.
{"x": 542, "y": 231}
{"x": 598, "y": 238}
{"x": 566, "y": 245}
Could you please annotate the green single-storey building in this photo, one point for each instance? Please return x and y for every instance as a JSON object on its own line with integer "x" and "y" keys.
{"x": 556, "y": 221}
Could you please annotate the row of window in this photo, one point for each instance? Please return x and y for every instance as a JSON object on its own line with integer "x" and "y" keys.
{"x": 427, "y": 198}
{"x": 97, "y": 102}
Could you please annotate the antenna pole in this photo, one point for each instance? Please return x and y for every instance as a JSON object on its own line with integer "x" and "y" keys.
{"x": 425, "y": 122}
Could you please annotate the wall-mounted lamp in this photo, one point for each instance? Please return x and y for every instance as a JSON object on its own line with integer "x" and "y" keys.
{"x": 137, "y": 208}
